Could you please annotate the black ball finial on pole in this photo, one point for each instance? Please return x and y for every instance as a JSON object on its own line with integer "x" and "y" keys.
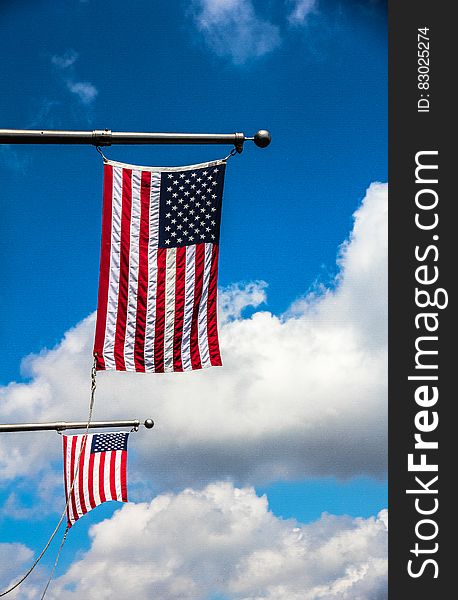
{"x": 149, "y": 423}
{"x": 262, "y": 138}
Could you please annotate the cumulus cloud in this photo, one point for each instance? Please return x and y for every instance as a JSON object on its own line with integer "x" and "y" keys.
{"x": 299, "y": 395}
{"x": 224, "y": 540}
{"x": 84, "y": 91}
{"x": 232, "y": 28}
{"x": 300, "y": 10}
{"x": 235, "y": 298}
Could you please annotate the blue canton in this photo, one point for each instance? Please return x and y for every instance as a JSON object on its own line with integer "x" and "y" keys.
{"x": 104, "y": 442}
{"x": 190, "y": 206}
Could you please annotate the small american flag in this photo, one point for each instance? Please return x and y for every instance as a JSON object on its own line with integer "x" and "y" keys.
{"x": 102, "y": 472}
{"x": 157, "y": 306}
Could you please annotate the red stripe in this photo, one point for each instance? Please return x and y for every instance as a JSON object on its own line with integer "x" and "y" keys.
{"x": 180, "y": 280}
{"x": 104, "y": 275}
{"x": 124, "y": 475}
{"x": 72, "y": 502}
{"x": 123, "y": 295}
{"x": 198, "y": 281}
{"x": 101, "y": 478}
{"x": 91, "y": 480}
{"x": 160, "y": 311}
{"x": 80, "y": 476}
{"x": 112, "y": 474}
{"x": 212, "y": 311}
{"x": 142, "y": 292}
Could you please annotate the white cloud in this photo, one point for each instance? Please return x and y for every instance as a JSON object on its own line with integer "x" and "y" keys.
{"x": 85, "y": 91}
{"x": 223, "y": 539}
{"x": 233, "y": 299}
{"x": 232, "y": 28}
{"x": 301, "y": 9}
{"x": 19, "y": 506}
{"x": 12, "y": 559}
{"x": 299, "y": 395}
{"x": 66, "y": 60}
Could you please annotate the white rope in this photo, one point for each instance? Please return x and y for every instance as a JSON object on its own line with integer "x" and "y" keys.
{"x": 40, "y": 556}
{"x": 55, "y": 562}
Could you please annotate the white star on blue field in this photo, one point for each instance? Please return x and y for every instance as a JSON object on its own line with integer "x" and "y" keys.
{"x": 314, "y": 73}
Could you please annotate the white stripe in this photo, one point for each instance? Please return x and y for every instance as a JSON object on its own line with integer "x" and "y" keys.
{"x": 95, "y": 479}
{"x": 118, "y": 475}
{"x": 113, "y": 285}
{"x": 131, "y": 317}
{"x": 188, "y": 307}
{"x": 202, "y": 316}
{"x": 106, "y": 476}
{"x": 152, "y": 271}
{"x": 170, "y": 281}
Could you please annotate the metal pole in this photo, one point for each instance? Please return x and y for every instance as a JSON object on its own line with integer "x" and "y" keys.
{"x": 62, "y": 425}
{"x": 106, "y": 137}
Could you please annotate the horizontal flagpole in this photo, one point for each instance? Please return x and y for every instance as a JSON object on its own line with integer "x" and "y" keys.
{"x": 106, "y": 137}
{"x": 63, "y": 425}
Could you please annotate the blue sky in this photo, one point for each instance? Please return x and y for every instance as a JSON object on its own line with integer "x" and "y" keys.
{"x": 313, "y": 73}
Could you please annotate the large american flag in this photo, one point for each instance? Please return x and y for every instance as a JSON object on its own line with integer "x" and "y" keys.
{"x": 157, "y": 306}
{"x": 102, "y": 471}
